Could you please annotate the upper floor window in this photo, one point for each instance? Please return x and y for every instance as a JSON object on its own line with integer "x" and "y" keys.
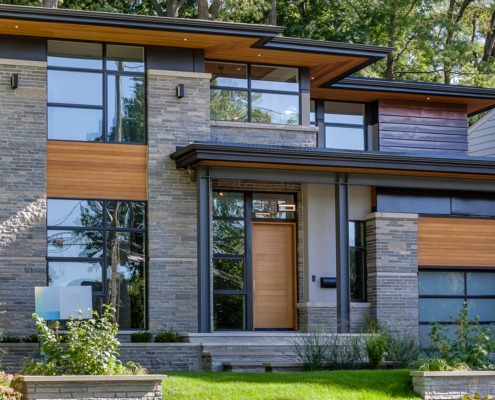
{"x": 254, "y": 93}
{"x": 96, "y": 92}
{"x": 343, "y": 124}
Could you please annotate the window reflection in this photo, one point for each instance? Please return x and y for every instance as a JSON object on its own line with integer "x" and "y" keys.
{"x": 83, "y": 124}
{"x": 73, "y": 87}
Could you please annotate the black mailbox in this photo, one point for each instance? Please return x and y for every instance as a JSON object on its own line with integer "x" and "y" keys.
{"x": 328, "y": 282}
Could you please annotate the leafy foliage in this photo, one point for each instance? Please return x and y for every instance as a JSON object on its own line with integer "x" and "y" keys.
{"x": 141, "y": 337}
{"x": 10, "y": 339}
{"x": 375, "y": 345}
{"x": 31, "y": 338}
{"x": 311, "y": 350}
{"x": 91, "y": 348}
{"x": 167, "y": 337}
{"x": 7, "y": 391}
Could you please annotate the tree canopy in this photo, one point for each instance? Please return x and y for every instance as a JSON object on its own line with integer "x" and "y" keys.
{"x": 442, "y": 41}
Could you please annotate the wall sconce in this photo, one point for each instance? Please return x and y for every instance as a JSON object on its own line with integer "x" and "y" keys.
{"x": 14, "y": 81}
{"x": 180, "y": 91}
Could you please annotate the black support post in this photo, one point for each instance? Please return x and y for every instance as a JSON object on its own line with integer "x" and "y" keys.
{"x": 342, "y": 234}
{"x": 204, "y": 295}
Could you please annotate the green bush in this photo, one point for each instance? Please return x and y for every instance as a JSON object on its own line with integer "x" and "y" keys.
{"x": 91, "y": 348}
{"x": 31, "y": 338}
{"x": 311, "y": 350}
{"x": 471, "y": 345}
{"x": 10, "y": 339}
{"x": 141, "y": 337}
{"x": 402, "y": 349}
{"x": 376, "y": 346}
{"x": 167, "y": 337}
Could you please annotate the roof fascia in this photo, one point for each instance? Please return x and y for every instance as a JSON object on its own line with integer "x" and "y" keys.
{"x": 197, "y": 152}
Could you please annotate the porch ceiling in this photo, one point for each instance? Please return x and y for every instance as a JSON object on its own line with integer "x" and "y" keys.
{"x": 328, "y": 160}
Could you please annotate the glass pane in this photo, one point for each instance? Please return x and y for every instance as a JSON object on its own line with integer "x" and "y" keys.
{"x": 74, "y": 87}
{"x": 83, "y": 213}
{"x": 357, "y": 271}
{"x": 357, "y": 234}
{"x": 339, "y": 137}
{"x": 344, "y": 113}
{"x": 75, "y": 124}
{"x": 439, "y": 310}
{"x": 228, "y": 204}
{"x": 228, "y": 105}
{"x": 228, "y": 274}
{"x": 125, "y": 58}
{"x": 274, "y": 78}
{"x": 126, "y": 283}
{"x": 74, "y": 54}
{"x": 424, "y": 334}
{"x": 265, "y": 205}
{"x": 228, "y": 312}
{"x": 483, "y": 308}
{"x": 67, "y": 273}
{"x": 74, "y": 244}
{"x": 312, "y": 113}
{"x": 275, "y": 108}
{"x": 126, "y": 214}
{"x": 480, "y": 284}
{"x": 227, "y": 74}
{"x": 438, "y": 283}
{"x": 126, "y": 109}
{"x": 228, "y": 237}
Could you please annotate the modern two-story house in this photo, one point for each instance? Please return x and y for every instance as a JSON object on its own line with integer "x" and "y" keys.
{"x": 212, "y": 176}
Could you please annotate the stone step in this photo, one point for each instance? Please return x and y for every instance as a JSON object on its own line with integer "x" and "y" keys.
{"x": 243, "y": 366}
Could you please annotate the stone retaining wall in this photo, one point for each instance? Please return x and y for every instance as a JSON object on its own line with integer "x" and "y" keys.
{"x": 453, "y": 384}
{"x": 147, "y": 387}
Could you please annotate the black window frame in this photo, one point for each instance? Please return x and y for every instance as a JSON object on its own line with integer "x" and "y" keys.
{"x": 249, "y": 90}
{"x": 103, "y": 260}
{"x": 105, "y": 73}
{"x": 361, "y": 248}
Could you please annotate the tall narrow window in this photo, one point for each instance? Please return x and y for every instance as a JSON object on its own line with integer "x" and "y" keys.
{"x": 357, "y": 260}
{"x": 95, "y": 92}
{"x": 254, "y": 93}
{"x": 101, "y": 244}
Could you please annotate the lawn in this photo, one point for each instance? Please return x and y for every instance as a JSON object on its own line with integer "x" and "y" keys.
{"x": 341, "y": 385}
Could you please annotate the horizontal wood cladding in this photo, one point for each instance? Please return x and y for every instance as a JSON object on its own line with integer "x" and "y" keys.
{"x": 96, "y": 170}
{"x": 423, "y": 127}
{"x": 456, "y": 242}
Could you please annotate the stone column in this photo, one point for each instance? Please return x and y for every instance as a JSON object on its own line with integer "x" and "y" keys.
{"x": 172, "y": 208}
{"x": 392, "y": 261}
{"x": 23, "y": 192}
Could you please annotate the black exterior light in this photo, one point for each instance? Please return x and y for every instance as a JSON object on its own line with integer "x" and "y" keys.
{"x": 180, "y": 90}
{"x": 14, "y": 81}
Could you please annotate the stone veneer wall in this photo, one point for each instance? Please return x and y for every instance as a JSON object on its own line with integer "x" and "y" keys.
{"x": 172, "y": 268}
{"x": 22, "y": 198}
{"x": 322, "y": 317}
{"x": 392, "y": 262}
{"x": 267, "y": 134}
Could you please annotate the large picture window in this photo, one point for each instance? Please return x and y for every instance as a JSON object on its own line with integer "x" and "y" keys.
{"x": 101, "y": 244}
{"x": 96, "y": 92}
{"x": 254, "y": 93}
{"x": 442, "y": 294}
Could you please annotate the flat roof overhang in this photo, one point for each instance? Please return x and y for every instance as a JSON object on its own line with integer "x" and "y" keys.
{"x": 327, "y": 61}
{"x": 327, "y": 160}
{"x": 475, "y": 99}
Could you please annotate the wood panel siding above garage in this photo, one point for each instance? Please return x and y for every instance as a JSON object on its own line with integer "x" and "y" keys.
{"x": 96, "y": 170}
{"x": 423, "y": 127}
{"x": 419, "y": 127}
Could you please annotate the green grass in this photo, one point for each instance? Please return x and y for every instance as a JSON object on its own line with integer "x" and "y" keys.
{"x": 328, "y": 385}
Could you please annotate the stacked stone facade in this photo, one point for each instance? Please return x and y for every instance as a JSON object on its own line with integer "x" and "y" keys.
{"x": 322, "y": 317}
{"x": 22, "y": 198}
{"x": 392, "y": 261}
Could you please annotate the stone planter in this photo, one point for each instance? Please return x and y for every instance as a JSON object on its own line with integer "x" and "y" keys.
{"x": 134, "y": 387}
{"x": 448, "y": 385}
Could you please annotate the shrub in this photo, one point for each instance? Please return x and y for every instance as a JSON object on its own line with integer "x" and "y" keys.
{"x": 344, "y": 352}
{"x": 31, "y": 338}
{"x": 376, "y": 346}
{"x": 91, "y": 348}
{"x": 311, "y": 350}
{"x": 471, "y": 345}
{"x": 7, "y": 392}
{"x": 10, "y": 339}
{"x": 141, "y": 337}
{"x": 167, "y": 337}
{"x": 402, "y": 349}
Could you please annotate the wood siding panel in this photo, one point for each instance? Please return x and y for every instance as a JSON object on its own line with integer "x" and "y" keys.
{"x": 423, "y": 127}
{"x": 96, "y": 170}
{"x": 456, "y": 242}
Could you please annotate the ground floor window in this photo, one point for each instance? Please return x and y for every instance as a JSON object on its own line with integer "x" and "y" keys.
{"x": 102, "y": 244}
{"x": 442, "y": 293}
{"x": 357, "y": 260}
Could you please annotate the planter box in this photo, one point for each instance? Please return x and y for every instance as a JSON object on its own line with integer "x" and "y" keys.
{"x": 147, "y": 387}
{"x": 452, "y": 384}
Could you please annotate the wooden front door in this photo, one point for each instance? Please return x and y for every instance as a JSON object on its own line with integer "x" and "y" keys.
{"x": 274, "y": 275}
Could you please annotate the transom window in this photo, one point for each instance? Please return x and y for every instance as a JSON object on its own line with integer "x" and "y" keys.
{"x": 96, "y": 92}
{"x": 101, "y": 244}
{"x": 343, "y": 124}
{"x": 443, "y": 293}
{"x": 254, "y": 93}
